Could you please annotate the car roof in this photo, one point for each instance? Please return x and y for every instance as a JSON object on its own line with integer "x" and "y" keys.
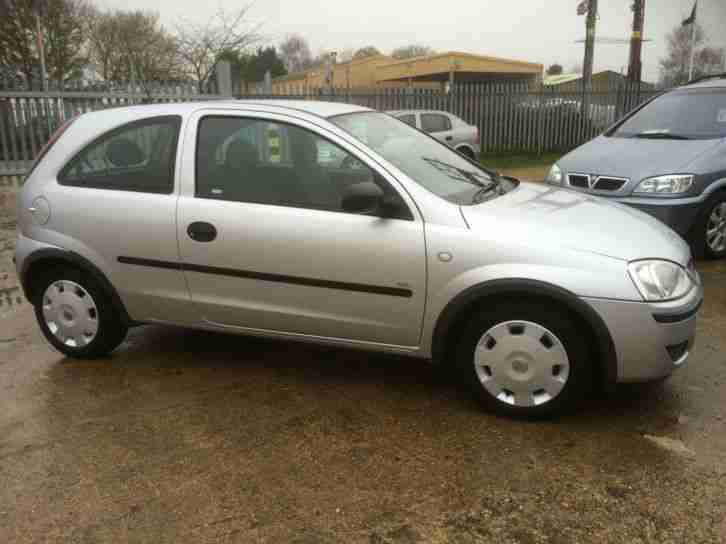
{"x": 310, "y": 107}
{"x": 709, "y": 82}
{"x": 405, "y": 112}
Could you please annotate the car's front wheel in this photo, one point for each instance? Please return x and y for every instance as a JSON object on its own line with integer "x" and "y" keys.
{"x": 76, "y": 315}
{"x": 525, "y": 358}
{"x": 713, "y": 226}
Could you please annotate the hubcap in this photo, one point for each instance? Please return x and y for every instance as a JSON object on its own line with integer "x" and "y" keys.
{"x": 716, "y": 228}
{"x": 70, "y": 313}
{"x": 521, "y": 363}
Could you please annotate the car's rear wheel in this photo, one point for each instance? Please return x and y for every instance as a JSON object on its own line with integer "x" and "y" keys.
{"x": 524, "y": 358}
{"x": 76, "y": 315}
{"x": 713, "y": 227}
{"x": 468, "y": 153}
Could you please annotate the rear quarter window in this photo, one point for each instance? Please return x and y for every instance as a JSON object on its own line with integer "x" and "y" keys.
{"x": 138, "y": 156}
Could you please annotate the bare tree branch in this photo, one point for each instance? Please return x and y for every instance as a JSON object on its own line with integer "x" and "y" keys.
{"x": 201, "y": 45}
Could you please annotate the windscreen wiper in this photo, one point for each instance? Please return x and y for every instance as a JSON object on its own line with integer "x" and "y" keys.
{"x": 486, "y": 188}
{"x": 661, "y": 136}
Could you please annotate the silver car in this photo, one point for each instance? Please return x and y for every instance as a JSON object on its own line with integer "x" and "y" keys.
{"x": 223, "y": 216}
{"x": 445, "y": 127}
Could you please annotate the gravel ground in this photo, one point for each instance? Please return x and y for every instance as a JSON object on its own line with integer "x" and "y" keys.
{"x": 184, "y": 436}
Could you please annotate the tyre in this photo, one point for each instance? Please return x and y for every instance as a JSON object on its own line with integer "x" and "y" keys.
{"x": 525, "y": 358}
{"x": 711, "y": 226}
{"x": 466, "y": 152}
{"x": 76, "y": 315}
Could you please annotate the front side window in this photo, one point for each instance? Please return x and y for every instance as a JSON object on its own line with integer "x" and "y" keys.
{"x": 698, "y": 114}
{"x": 138, "y": 156}
{"x": 258, "y": 161}
{"x": 435, "y": 122}
{"x": 425, "y": 160}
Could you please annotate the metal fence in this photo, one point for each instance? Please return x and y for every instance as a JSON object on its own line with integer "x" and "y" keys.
{"x": 511, "y": 117}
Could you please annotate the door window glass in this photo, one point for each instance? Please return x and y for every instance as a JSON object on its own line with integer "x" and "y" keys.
{"x": 253, "y": 160}
{"x": 135, "y": 157}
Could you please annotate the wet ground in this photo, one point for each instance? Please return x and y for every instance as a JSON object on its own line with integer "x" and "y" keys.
{"x": 198, "y": 437}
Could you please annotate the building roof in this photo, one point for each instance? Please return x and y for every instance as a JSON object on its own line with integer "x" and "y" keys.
{"x": 560, "y": 78}
{"x": 437, "y": 67}
{"x": 567, "y": 78}
{"x": 430, "y": 67}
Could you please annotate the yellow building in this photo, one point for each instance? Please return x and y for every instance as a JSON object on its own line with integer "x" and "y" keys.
{"x": 432, "y": 71}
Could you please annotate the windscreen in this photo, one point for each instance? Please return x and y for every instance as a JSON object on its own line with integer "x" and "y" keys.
{"x": 428, "y": 162}
{"x": 684, "y": 115}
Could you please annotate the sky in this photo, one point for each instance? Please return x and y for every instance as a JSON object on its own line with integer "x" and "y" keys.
{"x": 541, "y": 31}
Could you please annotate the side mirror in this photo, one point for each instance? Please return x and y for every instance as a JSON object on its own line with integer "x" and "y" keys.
{"x": 362, "y": 197}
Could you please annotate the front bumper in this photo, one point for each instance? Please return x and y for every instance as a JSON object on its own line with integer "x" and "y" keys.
{"x": 679, "y": 214}
{"x": 651, "y": 339}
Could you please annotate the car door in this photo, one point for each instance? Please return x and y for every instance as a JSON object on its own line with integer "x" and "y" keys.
{"x": 116, "y": 202}
{"x": 438, "y": 125}
{"x": 266, "y": 246}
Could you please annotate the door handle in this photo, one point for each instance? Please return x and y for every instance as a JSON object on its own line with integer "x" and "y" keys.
{"x": 449, "y": 138}
{"x": 201, "y": 231}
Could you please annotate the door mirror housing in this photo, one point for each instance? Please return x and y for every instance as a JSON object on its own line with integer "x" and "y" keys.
{"x": 362, "y": 197}
{"x": 368, "y": 198}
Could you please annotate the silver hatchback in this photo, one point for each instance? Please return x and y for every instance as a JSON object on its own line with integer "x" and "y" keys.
{"x": 230, "y": 216}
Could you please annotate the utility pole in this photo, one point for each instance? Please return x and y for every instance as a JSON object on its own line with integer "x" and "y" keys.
{"x": 635, "y": 66}
{"x": 590, "y": 23}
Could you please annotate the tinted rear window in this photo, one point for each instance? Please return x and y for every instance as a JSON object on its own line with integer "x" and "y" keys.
{"x": 693, "y": 114}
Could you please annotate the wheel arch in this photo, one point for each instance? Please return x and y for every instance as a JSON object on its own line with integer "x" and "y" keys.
{"x": 467, "y": 147}
{"x": 446, "y": 329}
{"x": 44, "y": 258}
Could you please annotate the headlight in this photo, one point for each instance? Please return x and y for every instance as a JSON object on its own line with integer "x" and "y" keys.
{"x": 669, "y": 185}
{"x": 554, "y": 175}
{"x": 660, "y": 280}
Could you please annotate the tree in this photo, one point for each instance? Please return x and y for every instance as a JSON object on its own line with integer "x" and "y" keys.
{"x": 61, "y": 23}
{"x": 201, "y": 45}
{"x": 132, "y": 46}
{"x": 295, "y": 53}
{"x": 64, "y": 39}
{"x": 262, "y": 61}
{"x": 554, "y": 70}
{"x": 367, "y": 51}
{"x": 674, "y": 67}
{"x": 17, "y": 33}
{"x": 410, "y": 51}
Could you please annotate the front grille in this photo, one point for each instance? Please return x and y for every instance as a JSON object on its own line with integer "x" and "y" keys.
{"x": 596, "y": 183}
{"x": 604, "y": 183}
{"x": 579, "y": 180}
{"x": 676, "y": 351}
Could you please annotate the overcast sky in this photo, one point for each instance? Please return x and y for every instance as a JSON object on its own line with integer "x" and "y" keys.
{"x": 541, "y": 31}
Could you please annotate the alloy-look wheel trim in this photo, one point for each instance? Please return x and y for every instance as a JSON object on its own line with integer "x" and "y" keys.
{"x": 70, "y": 313}
{"x": 716, "y": 228}
{"x": 521, "y": 363}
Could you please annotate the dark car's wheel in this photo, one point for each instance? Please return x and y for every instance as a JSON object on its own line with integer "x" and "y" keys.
{"x": 712, "y": 227}
{"x": 76, "y": 315}
{"x": 525, "y": 358}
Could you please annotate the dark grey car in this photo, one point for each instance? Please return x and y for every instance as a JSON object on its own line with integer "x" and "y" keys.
{"x": 667, "y": 158}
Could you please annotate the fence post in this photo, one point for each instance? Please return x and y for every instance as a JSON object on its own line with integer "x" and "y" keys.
{"x": 540, "y": 120}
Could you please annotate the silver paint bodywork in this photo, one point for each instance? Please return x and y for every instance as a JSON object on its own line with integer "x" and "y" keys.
{"x": 461, "y": 136}
{"x": 535, "y": 232}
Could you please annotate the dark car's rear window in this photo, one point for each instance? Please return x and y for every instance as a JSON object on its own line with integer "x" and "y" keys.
{"x": 694, "y": 114}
